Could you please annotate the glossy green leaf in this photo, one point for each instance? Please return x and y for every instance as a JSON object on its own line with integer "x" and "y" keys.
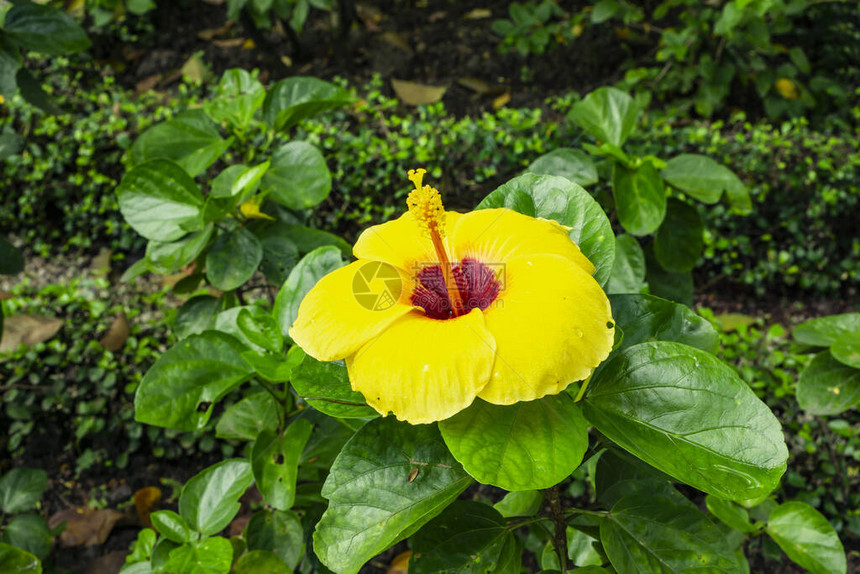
{"x": 239, "y": 180}
{"x": 33, "y": 92}
{"x": 559, "y": 199}
{"x": 640, "y": 199}
{"x": 269, "y": 366}
{"x": 291, "y": 100}
{"x": 466, "y": 537}
{"x": 261, "y": 330}
{"x": 305, "y": 275}
{"x": 569, "y": 163}
{"x": 669, "y": 285}
{"x": 278, "y": 532}
{"x": 306, "y": 239}
{"x": 210, "y": 499}
{"x": 227, "y": 321}
{"x": 190, "y": 139}
{"x": 209, "y": 556}
{"x": 21, "y": 489}
{"x": 580, "y": 553}
{"x": 618, "y": 474}
{"x": 44, "y": 29}
{"x": 275, "y": 461}
{"x": 196, "y": 315}
{"x": 827, "y": 386}
{"x": 10, "y": 63}
{"x": 648, "y": 318}
{"x": 524, "y": 446}
{"x": 298, "y": 176}
{"x": 261, "y": 562}
{"x": 247, "y": 418}
{"x": 233, "y": 259}
{"x": 807, "y": 538}
{"x": 17, "y": 561}
{"x": 11, "y": 259}
{"x": 659, "y": 534}
{"x": 729, "y": 513}
{"x": 825, "y": 331}
{"x": 372, "y": 501}
{"x": 160, "y": 200}
{"x": 171, "y": 526}
{"x": 236, "y": 98}
{"x": 520, "y": 503}
{"x": 689, "y": 415}
{"x": 846, "y": 349}
{"x": 607, "y": 113}
{"x": 180, "y": 389}
{"x": 628, "y": 270}
{"x": 680, "y": 238}
{"x": 172, "y": 256}
{"x": 704, "y": 179}
{"x": 28, "y": 532}
{"x": 325, "y": 386}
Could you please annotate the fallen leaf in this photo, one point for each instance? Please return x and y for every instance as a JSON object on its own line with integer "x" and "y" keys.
{"x": 210, "y": 33}
{"x": 370, "y": 15}
{"x": 501, "y": 100}
{"x": 84, "y": 526}
{"x": 108, "y": 564}
{"x": 436, "y": 16}
{"x": 147, "y": 84}
{"x": 248, "y": 44}
{"x": 75, "y": 8}
{"x": 400, "y": 564}
{"x": 117, "y": 334}
{"x": 230, "y": 43}
{"x": 27, "y": 330}
{"x": 237, "y": 527}
{"x": 100, "y": 264}
{"x": 5, "y": 295}
{"x": 415, "y": 94}
{"x": 145, "y": 501}
{"x": 731, "y": 321}
{"x": 477, "y": 14}
{"x": 194, "y": 69}
{"x": 787, "y": 89}
{"x": 397, "y": 40}
{"x": 474, "y": 84}
{"x": 287, "y": 61}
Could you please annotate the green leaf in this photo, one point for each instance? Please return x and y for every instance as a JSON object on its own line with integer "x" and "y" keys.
{"x": 729, "y": 513}
{"x": 172, "y": 526}
{"x": 236, "y": 99}
{"x": 607, "y": 113}
{"x": 524, "y": 446}
{"x": 278, "y": 532}
{"x": 294, "y": 99}
{"x": 238, "y": 181}
{"x": 807, "y": 538}
{"x": 32, "y": 91}
{"x": 639, "y": 198}
{"x": 275, "y": 461}
{"x": 846, "y": 349}
{"x": 660, "y": 533}
{"x": 572, "y": 164}
{"x": 179, "y": 391}
{"x": 466, "y": 537}
{"x": 325, "y": 386}
{"x": 17, "y": 561}
{"x": 680, "y": 238}
{"x": 306, "y": 239}
{"x": 10, "y": 63}
{"x": 310, "y": 269}
{"x": 561, "y": 200}
{"x": 261, "y": 330}
{"x": 209, "y": 556}
{"x": 10, "y": 142}
{"x": 669, "y": 285}
{"x": 11, "y": 259}
{"x": 160, "y": 200}
{"x": 372, "y": 502}
{"x": 44, "y": 29}
{"x": 619, "y": 474}
{"x": 21, "y": 489}
{"x": 520, "y": 503}
{"x": 689, "y": 415}
{"x": 190, "y": 139}
{"x": 648, "y": 318}
{"x": 704, "y": 179}
{"x": 248, "y": 418}
{"x": 261, "y": 562}
{"x": 298, "y": 177}
{"x": 173, "y": 256}
{"x": 628, "y": 270}
{"x": 233, "y": 259}
{"x": 28, "y": 532}
{"x": 210, "y": 500}
{"x": 825, "y": 331}
{"x": 828, "y": 387}
{"x": 196, "y": 315}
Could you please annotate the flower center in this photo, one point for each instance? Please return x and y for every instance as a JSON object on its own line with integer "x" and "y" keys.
{"x": 476, "y": 283}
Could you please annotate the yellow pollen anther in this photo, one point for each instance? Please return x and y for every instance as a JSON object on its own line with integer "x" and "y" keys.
{"x": 425, "y": 203}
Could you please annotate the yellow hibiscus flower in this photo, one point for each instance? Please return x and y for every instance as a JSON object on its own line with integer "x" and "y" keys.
{"x": 442, "y": 307}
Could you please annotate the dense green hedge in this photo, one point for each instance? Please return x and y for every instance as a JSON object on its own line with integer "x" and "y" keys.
{"x": 805, "y": 184}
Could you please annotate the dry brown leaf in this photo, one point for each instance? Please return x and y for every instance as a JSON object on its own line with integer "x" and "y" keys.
{"x": 84, "y": 526}
{"x": 5, "y": 295}
{"x": 397, "y": 40}
{"x": 237, "y": 526}
{"x": 400, "y": 564}
{"x": 194, "y": 68}
{"x": 147, "y": 84}
{"x": 436, "y": 16}
{"x": 230, "y": 43}
{"x": 370, "y": 15}
{"x": 145, "y": 501}
{"x": 415, "y": 94}
{"x": 501, "y": 100}
{"x": 117, "y": 334}
{"x": 27, "y": 330}
{"x": 210, "y": 33}
{"x": 477, "y": 14}
{"x": 475, "y": 84}
{"x": 100, "y": 264}
{"x": 108, "y": 564}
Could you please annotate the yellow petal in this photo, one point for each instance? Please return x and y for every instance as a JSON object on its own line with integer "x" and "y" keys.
{"x": 423, "y": 369}
{"x": 497, "y": 235}
{"x": 401, "y": 243}
{"x": 348, "y": 307}
{"x": 552, "y": 324}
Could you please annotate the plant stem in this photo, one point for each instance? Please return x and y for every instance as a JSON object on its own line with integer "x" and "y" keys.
{"x": 582, "y": 389}
{"x": 559, "y": 536}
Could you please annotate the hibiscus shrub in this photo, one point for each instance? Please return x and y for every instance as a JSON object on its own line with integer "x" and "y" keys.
{"x": 489, "y": 337}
